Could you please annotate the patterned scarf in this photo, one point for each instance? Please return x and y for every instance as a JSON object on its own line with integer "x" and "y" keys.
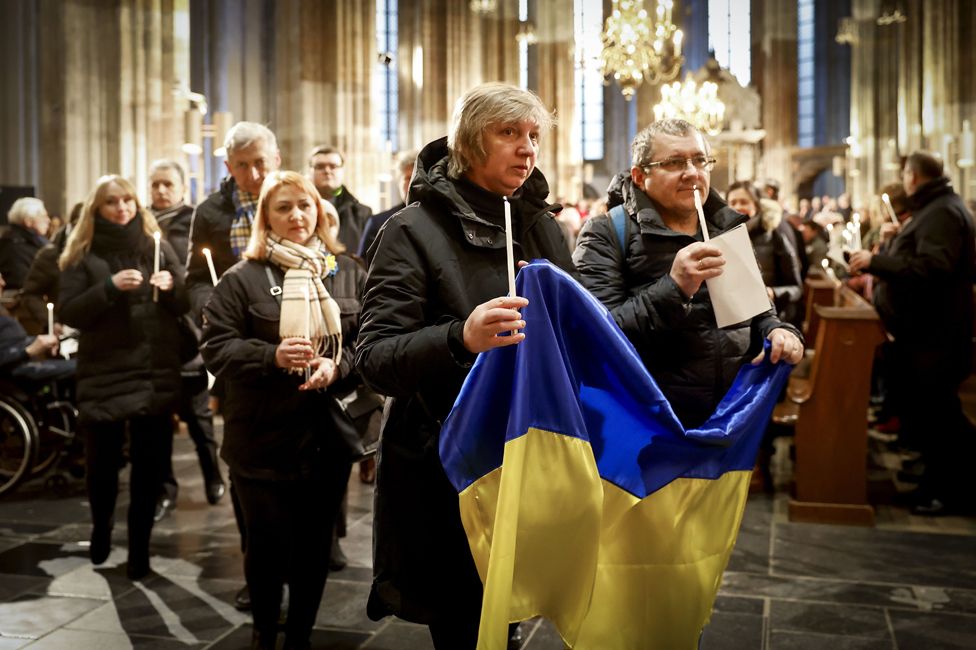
{"x": 245, "y": 206}
{"x": 307, "y": 309}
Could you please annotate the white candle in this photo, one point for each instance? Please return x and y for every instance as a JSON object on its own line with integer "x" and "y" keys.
{"x": 889, "y": 208}
{"x": 701, "y": 214}
{"x": 509, "y": 247}
{"x": 308, "y": 326}
{"x": 156, "y": 263}
{"x": 50, "y": 318}
{"x": 210, "y": 265}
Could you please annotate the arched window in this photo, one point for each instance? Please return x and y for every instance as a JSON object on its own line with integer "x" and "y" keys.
{"x": 588, "y": 24}
{"x": 385, "y": 80}
{"x": 729, "y": 37}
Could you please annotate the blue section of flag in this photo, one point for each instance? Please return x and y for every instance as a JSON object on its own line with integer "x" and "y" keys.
{"x": 576, "y": 374}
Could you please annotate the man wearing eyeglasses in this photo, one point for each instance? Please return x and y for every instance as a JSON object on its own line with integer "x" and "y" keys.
{"x": 326, "y": 170}
{"x": 649, "y": 269}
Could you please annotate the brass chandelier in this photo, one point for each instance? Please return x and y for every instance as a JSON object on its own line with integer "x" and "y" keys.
{"x": 635, "y": 50}
{"x": 696, "y": 104}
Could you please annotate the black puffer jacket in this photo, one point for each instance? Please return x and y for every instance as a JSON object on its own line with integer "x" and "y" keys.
{"x": 924, "y": 294}
{"x": 41, "y": 286}
{"x": 210, "y": 228}
{"x": 692, "y": 360}
{"x": 128, "y": 352}
{"x": 353, "y": 216}
{"x": 272, "y": 431}
{"x": 18, "y": 246}
{"x": 433, "y": 263}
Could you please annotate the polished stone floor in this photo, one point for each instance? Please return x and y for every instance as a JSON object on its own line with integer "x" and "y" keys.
{"x": 909, "y": 583}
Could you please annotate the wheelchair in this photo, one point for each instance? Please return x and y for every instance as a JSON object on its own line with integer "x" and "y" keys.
{"x": 38, "y": 423}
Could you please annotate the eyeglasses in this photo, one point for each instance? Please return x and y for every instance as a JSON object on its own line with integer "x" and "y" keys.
{"x": 701, "y": 163}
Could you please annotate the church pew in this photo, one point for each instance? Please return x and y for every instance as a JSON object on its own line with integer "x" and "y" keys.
{"x": 828, "y": 410}
{"x": 818, "y": 290}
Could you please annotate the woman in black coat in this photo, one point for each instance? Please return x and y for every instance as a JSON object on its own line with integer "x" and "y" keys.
{"x": 775, "y": 252}
{"x": 128, "y": 355}
{"x": 278, "y": 330}
{"x": 435, "y": 298}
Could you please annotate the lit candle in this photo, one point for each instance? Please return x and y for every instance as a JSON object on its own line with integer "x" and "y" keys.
{"x": 50, "y": 318}
{"x": 701, "y": 214}
{"x": 509, "y": 250}
{"x": 890, "y": 209}
{"x": 156, "y": 264}
{"x": 210, "y": 265}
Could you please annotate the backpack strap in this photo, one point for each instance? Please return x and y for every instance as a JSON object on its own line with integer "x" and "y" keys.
{"x": 619, "y": 217}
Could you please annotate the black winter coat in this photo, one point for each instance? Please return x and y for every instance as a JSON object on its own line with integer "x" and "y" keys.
{"x": 41, "y": 286}
{"x": 925, "y": 291}
{"x": 210, "y": 228}
{"x": 273, "y": 431}
{"x": 128, "y": 352}
{"x": 778, "y": 259}
{"x": 433, "y": 263}
{"x": 175, "y": 224}
{"x": 353, "y": 216}
{"x": 18, "y": 246}
{"x": 13, "y": 343}
{"x": 693, "y": 361}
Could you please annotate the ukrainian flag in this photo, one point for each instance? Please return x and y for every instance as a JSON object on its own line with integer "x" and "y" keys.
{"x": 583, "y": 498}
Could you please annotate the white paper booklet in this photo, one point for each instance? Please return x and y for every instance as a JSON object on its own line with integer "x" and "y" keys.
{"x": 739, "y": 293}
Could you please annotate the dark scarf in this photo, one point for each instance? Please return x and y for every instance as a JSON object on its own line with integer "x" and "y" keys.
{"x": 123, "y": 247}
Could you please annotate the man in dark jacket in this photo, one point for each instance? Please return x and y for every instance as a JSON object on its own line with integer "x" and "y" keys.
{"x": 925, "y": 299}
{"x": 326, "y": 170}
{"x": 434, "y": 299}
{"x": 653, "y": 282}
{"x": 222, "y": 223}
{"x": 404, "y": 171}
{"x": 29, "y": 223}
{"x": 167, "y": 187}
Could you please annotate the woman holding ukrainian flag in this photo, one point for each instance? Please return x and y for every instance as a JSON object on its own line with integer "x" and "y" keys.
{"x": 279, "y": 330}
{"x": 435, "y": 297}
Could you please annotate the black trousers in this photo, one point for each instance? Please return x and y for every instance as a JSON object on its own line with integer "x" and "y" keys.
{"x": 148, "y": 441}
{"x": 932, "y": 419}
{"x": 194, "y": 409}
{"x": 289, "y": 528}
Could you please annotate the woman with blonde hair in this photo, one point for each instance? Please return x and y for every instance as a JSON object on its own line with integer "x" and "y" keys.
{"x": 279, "y": 330}
{"x": 128, "y": 359}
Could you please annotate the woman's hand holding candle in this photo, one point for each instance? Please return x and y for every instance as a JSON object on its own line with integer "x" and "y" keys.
{"x": 162, "y": 280}
{"x": 325, "y": 373}
{"x": 294, "y": 352}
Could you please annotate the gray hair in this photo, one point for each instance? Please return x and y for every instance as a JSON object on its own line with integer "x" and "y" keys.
{"x": 167, "y": 163}
{"x": 405, "y": 160}
{"x": 642, "y": 149}
{"x": 243, "y": 134}
{"x": 482, "y": 106}
{"x": 24, "y": 209}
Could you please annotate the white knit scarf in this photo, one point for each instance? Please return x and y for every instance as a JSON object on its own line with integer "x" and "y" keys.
{"x": 307, "y": 309}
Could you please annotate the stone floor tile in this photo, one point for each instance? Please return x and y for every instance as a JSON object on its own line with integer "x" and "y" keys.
{"x": 733, "y": 631}
{"x": 89, "y": 640}
{"x": 37, "y": 559}
{"x": 839, "y": 620}
{"x": 34, "y": 616}
{"x": 925, "y": 631}
{"x": 398, "y": 635}
{"x": 344, "y": 606}
{"x": 784, "y": 640}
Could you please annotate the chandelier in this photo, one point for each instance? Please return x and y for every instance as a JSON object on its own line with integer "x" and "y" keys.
{"x": 635, "y": 50}
{"x": 688, "y": 101}
{"x": 483, "y": 7}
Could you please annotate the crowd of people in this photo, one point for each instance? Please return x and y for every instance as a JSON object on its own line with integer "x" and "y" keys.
{"x": 297, "y": 300}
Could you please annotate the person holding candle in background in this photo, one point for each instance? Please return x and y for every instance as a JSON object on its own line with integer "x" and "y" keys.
{"x": 167, "y": 187}
{"x": 438, "y": 294}
{"x": 924, "y": 297}
{"x": 653, "y": 281}
{"x": 29, "y": 358}
{"x": 128, "y": 367}
{"x": 289, "y": 310}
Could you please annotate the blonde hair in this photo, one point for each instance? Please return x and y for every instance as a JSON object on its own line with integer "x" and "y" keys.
{"x": 257, "y": 246}
{"x": 481, "y": 107}
{"x": 79, "y": 241}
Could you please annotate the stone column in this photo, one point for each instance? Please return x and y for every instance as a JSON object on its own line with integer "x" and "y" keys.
{"x": 774, "y": 66}
{"x": 561, "y": 157}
